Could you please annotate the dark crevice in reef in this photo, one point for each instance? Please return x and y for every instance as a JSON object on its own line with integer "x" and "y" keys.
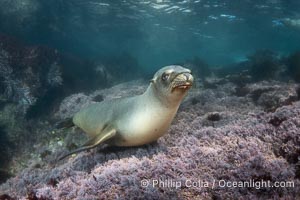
{"x": 291, "y": 157}
{"x": 276, "y": 121}
{"x": 298, "y": 92}
{"x": 293, "y": 65}
{"x": 289, "y": 152}
{"x": 98, "y": 98}
{"x": 6, "y": 197}
{"x": 297, "y": 170}
{"x": 6, "y": 148}
{"x": 215, "y": 116}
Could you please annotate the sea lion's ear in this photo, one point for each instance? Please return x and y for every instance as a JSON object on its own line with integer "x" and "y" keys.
{"x": 153, "y": 80}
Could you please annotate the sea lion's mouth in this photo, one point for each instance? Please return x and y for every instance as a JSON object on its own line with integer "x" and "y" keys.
{"x": 186, "y": 85}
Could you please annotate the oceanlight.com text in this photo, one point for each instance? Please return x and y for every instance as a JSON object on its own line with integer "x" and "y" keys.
{"x": 177, "y": 184}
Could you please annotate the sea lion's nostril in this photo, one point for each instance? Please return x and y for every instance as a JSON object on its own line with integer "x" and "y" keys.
{"x": 187, "y": 76}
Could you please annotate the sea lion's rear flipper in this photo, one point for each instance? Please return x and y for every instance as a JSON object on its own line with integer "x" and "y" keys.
{"x": 93, "y": 142}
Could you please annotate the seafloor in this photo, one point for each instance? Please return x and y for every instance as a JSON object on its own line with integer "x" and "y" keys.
{"x": 222, "y": 133}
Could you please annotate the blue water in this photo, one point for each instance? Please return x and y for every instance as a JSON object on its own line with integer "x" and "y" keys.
{"x": 155, "y": 32}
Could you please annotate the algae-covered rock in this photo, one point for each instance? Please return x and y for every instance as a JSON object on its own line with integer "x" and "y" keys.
{"x": 217, "y": 137}
{"x": 27, "y": 73}
{"x": 263, "y": 64}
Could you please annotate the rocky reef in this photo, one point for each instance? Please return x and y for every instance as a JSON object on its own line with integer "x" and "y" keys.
{"x": 27, "y": 73}
{"x": 219, "y": 135}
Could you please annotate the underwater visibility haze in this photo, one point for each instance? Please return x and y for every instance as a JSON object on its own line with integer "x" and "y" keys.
{"x": 156, "y": 33}
{"x": 239, "y": 123}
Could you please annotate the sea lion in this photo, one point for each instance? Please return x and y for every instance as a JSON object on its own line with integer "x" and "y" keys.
{"x": 137, "y": 120}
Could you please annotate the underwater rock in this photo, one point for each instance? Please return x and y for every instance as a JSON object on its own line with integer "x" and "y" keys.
{"x": 282, "y": 119}
{"x": 271, "y": 95}
{"x": 263, "y": 64}
{"x": 27, "y": 73}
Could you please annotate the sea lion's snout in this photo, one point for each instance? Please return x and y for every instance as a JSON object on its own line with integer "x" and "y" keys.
{"x": 183, "y": 81}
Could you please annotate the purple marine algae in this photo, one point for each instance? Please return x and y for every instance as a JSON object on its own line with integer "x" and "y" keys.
{"x": 245, "y": 144}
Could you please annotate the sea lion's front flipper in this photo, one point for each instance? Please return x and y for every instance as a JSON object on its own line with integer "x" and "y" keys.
{"x": 105, "y": 135}
{"x": 93, "y": 142}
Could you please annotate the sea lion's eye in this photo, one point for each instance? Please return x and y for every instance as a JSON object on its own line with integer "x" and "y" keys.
{"x": 165, "y": 76}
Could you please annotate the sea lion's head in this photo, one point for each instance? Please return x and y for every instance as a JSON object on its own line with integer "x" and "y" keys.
{"x": 172, "y": 82}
